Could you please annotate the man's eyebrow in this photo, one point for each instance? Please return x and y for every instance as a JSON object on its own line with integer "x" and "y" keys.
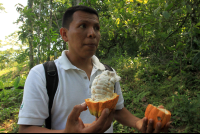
{"x": 81, "y": 21}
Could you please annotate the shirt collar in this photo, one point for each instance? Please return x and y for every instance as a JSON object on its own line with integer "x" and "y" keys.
{"x": 66, "y": 64}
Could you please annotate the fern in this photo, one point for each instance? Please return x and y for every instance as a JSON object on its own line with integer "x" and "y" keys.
{"x": 16, "y": 82}
{"x": 140, "y": 96}
{"x": 1, "y": 85}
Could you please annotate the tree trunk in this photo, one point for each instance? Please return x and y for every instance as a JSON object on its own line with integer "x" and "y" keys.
{"x": 38, "y": 33}
{"x": 43, "y": 55}
{"x": 50, "y": 25}
{"x": 30, "y": 39}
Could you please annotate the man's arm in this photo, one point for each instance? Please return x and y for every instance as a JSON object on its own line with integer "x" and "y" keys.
{"x": 126, "y": 118}
{"x": 74, "y": 123}
{"x": 36, "y": 129}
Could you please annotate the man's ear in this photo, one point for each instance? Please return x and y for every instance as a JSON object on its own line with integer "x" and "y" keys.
{"x": 63, "y": 33}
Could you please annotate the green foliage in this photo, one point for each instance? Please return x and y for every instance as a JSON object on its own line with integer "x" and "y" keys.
{"x": 10, "y": 101}
{"x": 2, "y": 8}
{"x": 16, "y": 82}
{"x": 1, "y": 85}
{"x": 153, "y": 45}
{"x": 21, "y": 57}
{"x": 158, "y": 84}
{"x": 185, "y": 108}
{"x": 119, "y": 128}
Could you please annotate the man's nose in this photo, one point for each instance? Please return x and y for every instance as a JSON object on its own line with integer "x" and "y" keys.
{"x": 91, "y": 32}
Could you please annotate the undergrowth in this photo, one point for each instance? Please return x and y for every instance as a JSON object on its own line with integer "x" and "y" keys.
{"x": 141, "y": 84}
{"x": 11, "y": 97}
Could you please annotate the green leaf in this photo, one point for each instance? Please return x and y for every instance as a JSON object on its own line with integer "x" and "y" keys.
{"x": 1, "y": 84}
{"x": 16, "y": 82}
{"x": 180, "y": 52}
{"x": 197, "y": 25}
{"x": 177, "y": 11}
{"x": 169, "y": 30}
{"x": 179, "y": 45}
{"x": 166, "y": 5}
{"x": 54, "y": 39}
{"x": 166, "y": 14}
{"x": 189, "y": 9}
{"x": 169, "y": 6}
{"x": 183, "y": 3}
{"x": 125, "y": 35}
{"x": 156, "y": 10}
{"x": 121, "y": 10}
{"x": 196, "y": 59}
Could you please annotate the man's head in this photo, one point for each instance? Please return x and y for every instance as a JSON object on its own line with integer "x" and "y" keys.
{"x": 82, "y": 31}
{"x": 68, "y": 16}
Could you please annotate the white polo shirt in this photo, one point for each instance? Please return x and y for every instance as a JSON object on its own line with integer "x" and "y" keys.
{"x": 73, "y": 88}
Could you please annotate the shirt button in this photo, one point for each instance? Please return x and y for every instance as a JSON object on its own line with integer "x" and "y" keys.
{"x": 85, "y": 77}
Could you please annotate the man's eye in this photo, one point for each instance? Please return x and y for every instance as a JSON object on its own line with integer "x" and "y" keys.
{"x": 82, "y": 26}
{"x": 97, "y": 28}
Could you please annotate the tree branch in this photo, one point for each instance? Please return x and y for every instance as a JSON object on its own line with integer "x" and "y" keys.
{"x": 177, "y": 28}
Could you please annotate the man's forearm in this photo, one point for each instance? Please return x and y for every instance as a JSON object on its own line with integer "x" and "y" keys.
{"x": 126, "y": 118}
{"x": 37, "y": 129}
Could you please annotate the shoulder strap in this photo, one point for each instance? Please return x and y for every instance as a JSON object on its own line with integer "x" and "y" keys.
{"x": 51, "y": 85}
{"x": 110, "y": 69}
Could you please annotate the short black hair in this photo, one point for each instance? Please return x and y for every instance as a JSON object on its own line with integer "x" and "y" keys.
{"x": 68, "y": 16}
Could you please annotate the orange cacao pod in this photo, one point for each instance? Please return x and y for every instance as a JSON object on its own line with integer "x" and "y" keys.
{"x": 158, "y": 115}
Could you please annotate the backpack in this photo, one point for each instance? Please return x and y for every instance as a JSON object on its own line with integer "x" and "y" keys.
{"x": 51, "y": 74}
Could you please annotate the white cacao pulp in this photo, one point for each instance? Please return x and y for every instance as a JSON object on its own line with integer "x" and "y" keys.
{"x": 103, "y": 86}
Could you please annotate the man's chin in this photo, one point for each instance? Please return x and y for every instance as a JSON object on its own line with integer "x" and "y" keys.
{"x": 89, "y": 54}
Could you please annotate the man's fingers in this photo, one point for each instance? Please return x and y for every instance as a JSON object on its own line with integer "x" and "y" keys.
{"x": 158, "y": 127}
{"x": 144, "y": 125}
{"x": 84, "y": 106}
{"x": 167, "y": 126}
{"x": 161, "y": 106}
{"x": 150, "y": 126}
{"x": 103, "y": 119}
{"x": 76, "y": 111}
{"x": 108, "y": 122}
{"x": 99, "y": 124}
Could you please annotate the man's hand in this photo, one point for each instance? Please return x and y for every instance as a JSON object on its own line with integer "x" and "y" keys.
{"x": 75, "y": 125}
{"x": 142, "y": 126}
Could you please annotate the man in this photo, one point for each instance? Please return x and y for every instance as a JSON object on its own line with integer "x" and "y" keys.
{"x": 77, "y": 68}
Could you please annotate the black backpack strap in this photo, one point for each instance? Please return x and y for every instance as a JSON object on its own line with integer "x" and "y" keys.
{"x": 51, "y": 74}
{"x": 110, "y": 69}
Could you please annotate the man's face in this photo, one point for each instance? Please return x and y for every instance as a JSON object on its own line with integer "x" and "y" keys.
{"x": 83, "y": 34}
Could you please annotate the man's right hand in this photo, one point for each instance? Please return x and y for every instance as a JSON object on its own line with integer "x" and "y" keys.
{"x": 75, "y": 125}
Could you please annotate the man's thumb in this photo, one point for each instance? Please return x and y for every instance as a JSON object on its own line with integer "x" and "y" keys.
{"x": 76, "y": 111}
{"x": 84, "y": 106}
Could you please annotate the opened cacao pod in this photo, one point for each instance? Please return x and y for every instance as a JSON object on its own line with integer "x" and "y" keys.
{"x": 96, "y": 108}
{"x": 158, "y": 115}
{"x": 102, "y": 93}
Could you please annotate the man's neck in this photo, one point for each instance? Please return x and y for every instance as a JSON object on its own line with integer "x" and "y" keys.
{"x": 82, "y": 63}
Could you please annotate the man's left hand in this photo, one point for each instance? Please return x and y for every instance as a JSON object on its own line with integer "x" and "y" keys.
{"x": 142, "y": 126}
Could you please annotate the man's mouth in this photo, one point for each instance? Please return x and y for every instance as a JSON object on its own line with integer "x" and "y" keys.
{"x": 91, "y": 45}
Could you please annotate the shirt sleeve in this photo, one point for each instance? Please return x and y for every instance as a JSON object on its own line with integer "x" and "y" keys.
{"x": 34, "y": 107}
{"x": 120, "y": 103}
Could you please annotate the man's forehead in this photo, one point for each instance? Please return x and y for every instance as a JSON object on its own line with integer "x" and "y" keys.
{"x": 85, "y": 16}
